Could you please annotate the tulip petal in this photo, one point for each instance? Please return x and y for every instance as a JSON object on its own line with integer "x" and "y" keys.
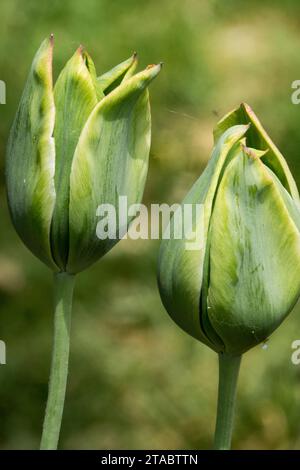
{"x": 258, "y": 138}
{"x": 92, "y": 69}
{"x": 111, "y": 160}
{"x": 132, "y": 69}
{"x": 75, "y": 97}
{"x": 111, "y": 79}
{"x": 181, "y": 270}
{"x": 254, "y": 255}
{"x": 30, "y": 161}
{"x": 292, "y": 206}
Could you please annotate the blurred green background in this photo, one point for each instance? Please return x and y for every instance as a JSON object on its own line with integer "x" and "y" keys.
{"x": 137, "y": 381}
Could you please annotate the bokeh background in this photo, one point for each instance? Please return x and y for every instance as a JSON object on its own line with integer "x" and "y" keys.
{"x": 137, "y": 381}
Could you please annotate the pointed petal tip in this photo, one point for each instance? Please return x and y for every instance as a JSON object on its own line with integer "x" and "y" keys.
{"x": 133, "y": 59}
{"x": 247, "y": 108}
{"x": 245, "y": 126}
{"x": 82, "y": 52}
{"x": 248, "y": 151}
{"x": 253, "y": 153}
{"x": 49, "y": 43}
{"x": 155, "y": 68}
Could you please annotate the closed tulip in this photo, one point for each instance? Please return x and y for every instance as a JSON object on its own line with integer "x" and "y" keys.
{"x": 74, "y": 145}
{"x": 244, "y": 279}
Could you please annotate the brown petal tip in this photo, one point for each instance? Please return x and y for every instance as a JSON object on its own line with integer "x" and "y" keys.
{"x": 80, "y": 49}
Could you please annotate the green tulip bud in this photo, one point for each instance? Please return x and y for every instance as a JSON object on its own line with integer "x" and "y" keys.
{"x": 74, "y": 146}
{"x": 237, "y": 288}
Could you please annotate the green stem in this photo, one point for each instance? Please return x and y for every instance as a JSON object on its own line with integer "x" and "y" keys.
{"x": 63, "y": 294}
{"x": 229, "y": 367}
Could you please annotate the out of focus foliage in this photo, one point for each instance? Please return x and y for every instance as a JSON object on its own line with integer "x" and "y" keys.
{"x": 136, "y": 381}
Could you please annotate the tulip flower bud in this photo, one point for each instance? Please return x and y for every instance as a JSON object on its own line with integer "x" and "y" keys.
{"x": 72, "y": 147}
{"x": 235, "y": 290}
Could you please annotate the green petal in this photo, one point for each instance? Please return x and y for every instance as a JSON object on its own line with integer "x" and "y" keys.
{"x": 181, "y": 270}
{"x": 292, "y": 205}
{"x": 111, "y": 79}
{"x": 254, "y": 255}
{"x": 111, "y": 160}
{"x": 92, "y": 69}
{"x": 75, "y": 97}
{"x": 258, "y": 138}
{"x": 132, "y": 68}
{"x": 31, "y": 158}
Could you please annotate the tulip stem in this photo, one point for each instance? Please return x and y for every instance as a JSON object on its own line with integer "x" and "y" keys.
{"x": 63, "y": 294}
{"x": 229, "y": 367}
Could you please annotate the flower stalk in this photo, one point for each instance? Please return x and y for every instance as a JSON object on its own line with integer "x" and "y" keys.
{"x": 229, "y": 367}
{"x": 63, "y": 295}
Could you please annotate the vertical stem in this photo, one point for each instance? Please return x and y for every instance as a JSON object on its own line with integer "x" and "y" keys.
{"x": 229, "y": 367}
{"x": 63, "y": 294}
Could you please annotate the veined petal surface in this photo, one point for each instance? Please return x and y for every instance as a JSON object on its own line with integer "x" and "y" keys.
{"x": 180, "y": 271}
{"x": 254, "y": 272}
{"x": 111, "y": 160}
{"x": 75, "y": 98}
{"x": 30, "y": 161}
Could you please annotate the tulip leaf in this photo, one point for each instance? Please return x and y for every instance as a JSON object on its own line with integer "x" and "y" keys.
{"x": 181, "y": 270}
{"x": 254, "y": 255}
{"x": 111, "y": 160}
{"x": 30, "y": 162}
{"x": 75, "y": 97}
